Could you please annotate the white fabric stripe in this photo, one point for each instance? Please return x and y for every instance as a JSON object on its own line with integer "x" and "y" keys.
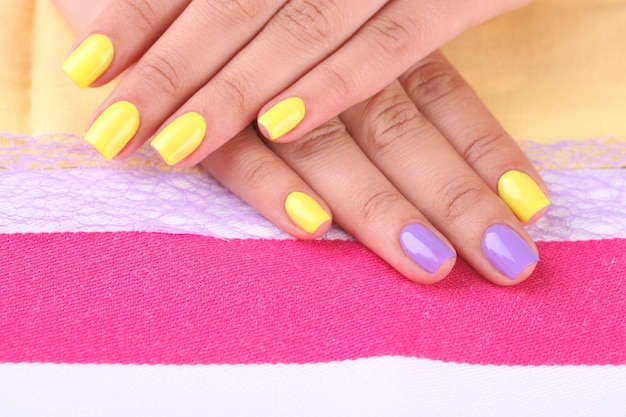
{"x": 389, "y": 386}
{"x": 587, "y": 204}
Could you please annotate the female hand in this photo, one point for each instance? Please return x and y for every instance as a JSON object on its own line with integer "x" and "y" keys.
{"x": 204, "y": 69}
{"x": 413, "y": 172}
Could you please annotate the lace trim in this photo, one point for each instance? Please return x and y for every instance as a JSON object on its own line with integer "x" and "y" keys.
{"x": 70, "y": 151}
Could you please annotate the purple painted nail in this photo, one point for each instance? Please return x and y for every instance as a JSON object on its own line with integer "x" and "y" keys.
{"x": 507, "y": 251}
{"x": 424, "y": 247}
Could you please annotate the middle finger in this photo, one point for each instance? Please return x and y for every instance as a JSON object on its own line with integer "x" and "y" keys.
{"x": 366, "y": 204}
{"x": 296, "y": 38}
{"x": 423, "y": 165}
{"x": 232, "y": 57}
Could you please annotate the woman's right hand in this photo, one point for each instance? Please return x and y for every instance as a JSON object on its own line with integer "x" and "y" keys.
{"x": 417, "y": 173}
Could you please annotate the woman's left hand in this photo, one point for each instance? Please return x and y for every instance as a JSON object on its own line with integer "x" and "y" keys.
{"x": 204, "y": 69}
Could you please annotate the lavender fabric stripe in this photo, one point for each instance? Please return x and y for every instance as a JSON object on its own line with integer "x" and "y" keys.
{"x": 148, "y": 200}
{"x": 587, "y": 204}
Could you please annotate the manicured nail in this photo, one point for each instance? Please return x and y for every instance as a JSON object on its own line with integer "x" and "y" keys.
{"x": 424, "y": 247}
{"x": 282, "y": 117}
{"x": 522, "y": 194}
{"x": 115, "y": 127}
{"x": 305, "y": 212}
{"x": 507, "y": 251}
{"x": 89, "y": 61}
{"x": 180, "y": 138}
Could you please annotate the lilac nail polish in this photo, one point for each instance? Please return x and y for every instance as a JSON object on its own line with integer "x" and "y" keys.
{"x": 507, "y": 251}
{"x": 424, "y": 247}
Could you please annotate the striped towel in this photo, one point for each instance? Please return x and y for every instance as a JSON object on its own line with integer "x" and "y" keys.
{"x": 131, "y": 289}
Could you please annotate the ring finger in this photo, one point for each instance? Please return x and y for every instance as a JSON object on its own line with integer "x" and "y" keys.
{"x": 240, "y": 51}
{"x": 366, "y": 204}
{"x": 249, "y": 169}
{"x": 447, "y": 100}
{"x": 423, "y": 165}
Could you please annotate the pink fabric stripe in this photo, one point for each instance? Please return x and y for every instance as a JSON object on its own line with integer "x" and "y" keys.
{"x": 184, "y": 299}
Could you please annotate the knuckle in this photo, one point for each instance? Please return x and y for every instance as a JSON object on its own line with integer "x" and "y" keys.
{"x": 256, "y": 169}
{"x": 391, "y": 119}
{"x": 162, "y": 74}
{"x": 458, "y": 197}
{"x": 234, "y": 90}
{"x": 377, "y": 204}
{"x": 238, "y": 10}
{"x": 391, "y": 35}
{"x": 479, "y": 147}
{"x": 141, "y": 13}
{"x": 430, "y": 81}
{"x": 339, "y": 83}
{"x": 319, "y": 142}
{"x": 308, "y": 20}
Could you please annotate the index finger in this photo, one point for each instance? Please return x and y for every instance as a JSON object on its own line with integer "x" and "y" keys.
{"x": 116, "y": 38}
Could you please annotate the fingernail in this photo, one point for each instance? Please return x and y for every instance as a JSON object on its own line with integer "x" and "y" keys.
{"x": 305, "y": 212}
{"x": 180, "y": 138}
{"x": 507, "y": 251}
{"x": 282, "y": 117}
{"x": 424, "y": 247}
{"x": 115, "y": 127}
{"x": 522, "y": 194}
{"x": 89, "y": 61}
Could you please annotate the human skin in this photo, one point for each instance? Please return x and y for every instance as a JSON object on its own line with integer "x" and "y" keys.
{"x": 231, "y": 61}
{"x": 421, "y": 154}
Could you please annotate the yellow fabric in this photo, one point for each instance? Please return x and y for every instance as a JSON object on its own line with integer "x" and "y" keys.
{"x": 554, "y": 70}
{"x": 37, "y": 97}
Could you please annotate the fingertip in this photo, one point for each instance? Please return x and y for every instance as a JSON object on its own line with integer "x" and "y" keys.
{"x": 420, "y": 276}
{"x": 523, "y": 195}
{"x": 512, "y": 258}
{"x": 281, "y": 118}
{"x": 180, "y": 138}
{"x": 538, "y": 215}
{"x": 113, "y": 129}
{"x": 301, "y": 234}
{"x": 307, "y": 214}
{"x": 89, "y": 60}
{"x": 523, "y": 275}
{"x": 433, "y": 257}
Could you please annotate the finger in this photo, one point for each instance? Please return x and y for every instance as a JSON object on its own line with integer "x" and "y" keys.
{"x": 275, "y": 58}
{"x": 444, "y": 98}
{"x": 253, "y": 172}
{"x": 421, "y": 163}
{"x": 79, "y": 13}
{"x": 193, "y": 49}
{"x": 400, "y": 34}
{"x": 117, "y": 37}
{"x": 367, "y": 205}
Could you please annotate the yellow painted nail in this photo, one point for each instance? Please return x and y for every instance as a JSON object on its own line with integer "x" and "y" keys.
{"x": 522, "y": 194}
{"x": 115, "y": 127}
{"x": 305, "y": 212}
{"x": 180, "y": 138}
{"x": 89, "y": 61}
{"x": 282, "y": 117}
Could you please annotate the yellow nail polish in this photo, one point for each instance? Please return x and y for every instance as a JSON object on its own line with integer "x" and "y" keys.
{"x": 305, "y": 212}
{"x": 115, "y": 127}
{"x": 522, "y": 194}
{"x": 180, "y": 138}
{"x": 89, "y": 61}
{"x": 282, "y": 117}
